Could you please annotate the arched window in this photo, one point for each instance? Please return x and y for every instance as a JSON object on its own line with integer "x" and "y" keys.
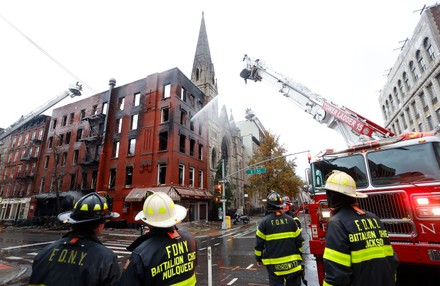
{"x": 406, "y": 81}
{"x": 197, "y": 74}
{"x": 387, "y": 106}
{"x": 412, "y": 68}
{"x": 384, "y": 112}
{"x": 390, "y": 98}
{"x": 420, "y": 60}
{"x": 399, "y": 84}
{"x": 214, "y": 157}
{"x": 429, "y": 49}
{"x": 396, "y": 95}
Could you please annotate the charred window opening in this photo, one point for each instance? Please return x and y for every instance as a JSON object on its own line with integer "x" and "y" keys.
{"x": 165, "y": 115}
{"x": 163, "y": 140}
{"x": 182, "y": 142}
{"x": 128, "y": 175}
{"x": 162, "y": 173}
{"x": 112, "y": 180}
{"x": 192, "y": 144}
{"x": 181, "y": 174}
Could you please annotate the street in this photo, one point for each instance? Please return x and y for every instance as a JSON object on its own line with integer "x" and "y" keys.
{"x": 233, "y": 261}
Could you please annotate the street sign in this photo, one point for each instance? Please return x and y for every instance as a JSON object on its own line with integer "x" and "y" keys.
{"x": 254, "y": 171}
{"x": 223, "y": 200}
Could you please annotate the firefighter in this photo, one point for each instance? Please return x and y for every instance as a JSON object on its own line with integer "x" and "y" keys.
{"x": 358, "y": 250}
{"x": 279, "y": 244}
{"x": 288, "y": 211}
{"x": 79, "y": 258}
{"x": 164, "y": 255}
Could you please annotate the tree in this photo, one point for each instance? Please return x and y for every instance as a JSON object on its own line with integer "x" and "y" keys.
{"x": 280, "y": 173}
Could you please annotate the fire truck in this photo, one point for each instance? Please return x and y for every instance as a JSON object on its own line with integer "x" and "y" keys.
{"x": 400, "y": 173}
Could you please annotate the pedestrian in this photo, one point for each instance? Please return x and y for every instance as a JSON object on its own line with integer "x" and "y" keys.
{"x": 358, "y": 250}
{"x": 279, "y": 244}
{"x": 79, "y": 258}
{"x": 288, "y": 211}
{"x": 164, "y": 255}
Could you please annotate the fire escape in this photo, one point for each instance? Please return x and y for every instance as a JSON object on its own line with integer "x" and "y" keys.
{"x": 92, "y": 143}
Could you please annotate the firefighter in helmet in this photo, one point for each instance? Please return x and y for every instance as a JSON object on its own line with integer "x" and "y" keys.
{"x": 279, "y": 244}
{"x": 79, "y": 258}
{"x": 163, "y": 245}
{"x": 358, "y": 250}
{"x": 288, "y": 210}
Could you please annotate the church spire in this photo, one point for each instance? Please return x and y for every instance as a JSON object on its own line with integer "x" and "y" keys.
{"x": 203, "y": 73}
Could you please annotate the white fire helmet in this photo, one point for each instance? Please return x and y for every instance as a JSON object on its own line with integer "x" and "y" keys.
{"x": 343, "y": 183}
{"x": 160, "y": 211}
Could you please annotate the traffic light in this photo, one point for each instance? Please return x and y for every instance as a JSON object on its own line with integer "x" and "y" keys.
{"x": 217, "y": 199}
{"x": 219, "y": 189}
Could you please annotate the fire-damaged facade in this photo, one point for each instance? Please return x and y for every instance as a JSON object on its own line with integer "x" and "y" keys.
{"x": 127, "y": 141}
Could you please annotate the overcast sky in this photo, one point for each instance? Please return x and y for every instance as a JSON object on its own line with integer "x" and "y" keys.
{"x": 341, "y": 50}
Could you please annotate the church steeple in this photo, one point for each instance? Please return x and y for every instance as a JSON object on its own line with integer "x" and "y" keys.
{"x": 203, "y": 73}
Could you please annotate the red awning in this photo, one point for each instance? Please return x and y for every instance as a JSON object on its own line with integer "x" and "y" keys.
{"x": 193, "y": 194}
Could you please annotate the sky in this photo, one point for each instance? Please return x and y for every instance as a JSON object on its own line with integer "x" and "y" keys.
{"x": 340, "y": 49}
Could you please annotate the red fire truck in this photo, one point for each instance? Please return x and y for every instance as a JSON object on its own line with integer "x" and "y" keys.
{"x": 400, "y": 173}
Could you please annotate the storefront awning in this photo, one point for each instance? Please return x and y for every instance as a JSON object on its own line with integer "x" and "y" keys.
{"x": 44, "y": 196}
{"x": 193, "y": 194}
{"x": 138, "y": 194}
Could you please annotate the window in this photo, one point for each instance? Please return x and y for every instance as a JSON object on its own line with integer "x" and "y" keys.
{"x": 420, "y": 60}
{"x": 430, "y": 123}
{"x": 72, "y": 181}
{"x": 40, "y": 135}
{"x": 121, "y": 103}
{"x": 131, "y": 147}
{"x": 71, "y": 118}
{"x": 191, "y": 176}
{"x": 64, "y": 159}
{"x": 82, "y": 114}
{"x": 54, "y": 123}
{"x": 64, "y": 121}
{"x": 200, "y": 179}
{"x": 115, "y": 149}
{"x": 183, "y": 117}
{"x": 162, "y": 173}
{"x": 134, "y": 122}
{"x": 165, "y": 113}
{"x": 136, "y": 99}
{"x": 431, "y": 93}
{"x": 118, "y": 125}
{"x": 49, "y": 144}
{"x": 396, "y": 95}
{"x": 60, "y": 139}
{"x": 191, "y": 125}
{"x": 42, "y": 182}
{"x": 79, "y": 135}
{"x": 183, "y": 94}
{"x": 406, "y": 81}
{"x": 68, "y": 134}
{"x": 181, "y": 174}
{"x": 94, "y": 109}
{"x": 412, "y": 68}
{"x": 104, "y": 108}
{"x": 182, "y": 143}
{"x": 26, "y": 139}
{"x": 128, "y": 176}
{"x": 429, "y": 49}
{"x": 192, "y": 144}
{"x": 192, "y": 101}
{"x": 201, "y": 152}
{"x": 84, "y": 180}
{"x": 112, "y": 179}
{"x": 37, "y": 152}
{"x": 46, "y": 162}
{"x": 163, "y": 140}
{"x": 423, "y": 101}
{"x": 200, "y": 128}
{"x": 167, "y": 91}
{"x": 390, "y": 98}
{"x": 75, "y": 157}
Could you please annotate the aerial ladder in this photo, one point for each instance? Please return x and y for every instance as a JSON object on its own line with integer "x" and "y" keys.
{"x": 72, "y": 91}
{"x": 354, "y": 128}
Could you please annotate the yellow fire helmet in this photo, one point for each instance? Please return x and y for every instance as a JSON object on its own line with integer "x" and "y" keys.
{"x": 160, "y": 211}
{"x": 343, "y": 183}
